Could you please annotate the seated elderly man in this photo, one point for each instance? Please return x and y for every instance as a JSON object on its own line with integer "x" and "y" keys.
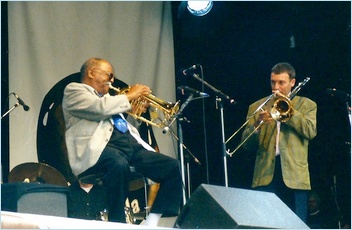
{"x": 102, "y": 145}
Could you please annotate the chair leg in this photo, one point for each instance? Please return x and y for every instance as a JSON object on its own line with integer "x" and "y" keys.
{"x": 146, "y": 198}
{"x": 139, "y": 184}
{"x": 153, "y": 191}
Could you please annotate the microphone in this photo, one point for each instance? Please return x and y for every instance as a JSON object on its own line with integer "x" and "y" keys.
{"x": 193, "y": 67}
{"x": 192, "y": 91}
{"x": 338, "y": 93}
{"x": 25, "y": 107}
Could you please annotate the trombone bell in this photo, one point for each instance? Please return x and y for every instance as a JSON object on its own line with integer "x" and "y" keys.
{"x": 282, "y": 109}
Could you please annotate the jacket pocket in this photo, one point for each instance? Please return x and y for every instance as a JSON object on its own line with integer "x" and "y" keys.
{"x": 81, "y": 144}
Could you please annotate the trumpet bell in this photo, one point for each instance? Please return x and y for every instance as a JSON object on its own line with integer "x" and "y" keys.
{"x": 161, "y": 116}
{"x": 160, "y": 111}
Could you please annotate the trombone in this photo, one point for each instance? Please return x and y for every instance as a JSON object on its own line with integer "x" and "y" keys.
{"x": 281, "y": 111}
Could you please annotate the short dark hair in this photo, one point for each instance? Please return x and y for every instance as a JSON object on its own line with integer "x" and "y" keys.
{"x": 284, "y": 67}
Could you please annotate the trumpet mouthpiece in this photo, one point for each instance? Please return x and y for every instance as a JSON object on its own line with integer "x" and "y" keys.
{"x": 112, "y": 87}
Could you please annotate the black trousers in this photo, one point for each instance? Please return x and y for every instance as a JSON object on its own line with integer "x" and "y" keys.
{"x": 295, "y": 199}
{"x": 113, "y": 169}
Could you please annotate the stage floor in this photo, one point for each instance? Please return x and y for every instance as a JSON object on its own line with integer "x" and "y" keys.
{"x": 14, "y": 220}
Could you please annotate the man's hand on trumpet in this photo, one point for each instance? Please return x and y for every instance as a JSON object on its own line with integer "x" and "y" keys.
{"x": 139, "y": 107}
{"x": 137, "y": 90}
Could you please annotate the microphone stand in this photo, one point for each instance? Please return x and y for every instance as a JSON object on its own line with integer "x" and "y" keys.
{"x": 181, "y": 156}
{"x": 219, "y": 104}
{"x": 334, "y": 187}
{"x": 180, "y": 142}
{"x": 19, "y": 102}
{"x": 334, "y": 194}
{"x": 348, "y": 108}
{"x": 10, "y": 110}
{"x": 187, "y": 156}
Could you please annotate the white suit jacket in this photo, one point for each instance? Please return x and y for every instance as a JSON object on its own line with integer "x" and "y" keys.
{"x": 89, "y": 124}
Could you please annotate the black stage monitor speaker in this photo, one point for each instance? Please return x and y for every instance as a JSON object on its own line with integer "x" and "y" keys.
{"x": 45, "y": 199}
{"x": 213, "y": 207}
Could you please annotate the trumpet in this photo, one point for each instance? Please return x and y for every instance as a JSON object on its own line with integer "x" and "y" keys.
{"x": 281, "y": 111}
{"x": 161, "y": 111}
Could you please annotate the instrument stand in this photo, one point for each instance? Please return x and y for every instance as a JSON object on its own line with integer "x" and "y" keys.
{"x": 219, "y": 103}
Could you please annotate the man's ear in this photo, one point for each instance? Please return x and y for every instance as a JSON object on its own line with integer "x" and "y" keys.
{"x": 90, "y": 73}
{"x": 293, "y": 82}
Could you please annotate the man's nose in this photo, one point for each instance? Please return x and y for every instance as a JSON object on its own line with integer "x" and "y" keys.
{"x": 275, "y": 87}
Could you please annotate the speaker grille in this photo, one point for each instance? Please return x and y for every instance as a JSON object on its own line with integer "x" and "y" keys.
{"x": 44, "y": 203}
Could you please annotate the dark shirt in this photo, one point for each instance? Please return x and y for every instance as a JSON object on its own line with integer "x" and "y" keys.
{"x": 320, "y": 220}
{"x": 85, "y": 205}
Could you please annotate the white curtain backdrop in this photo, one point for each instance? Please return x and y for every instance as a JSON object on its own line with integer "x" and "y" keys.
{"x": 50, "y": 40}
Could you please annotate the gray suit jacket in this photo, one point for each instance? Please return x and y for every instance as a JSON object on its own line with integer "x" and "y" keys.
{"x": 89, "y": 125}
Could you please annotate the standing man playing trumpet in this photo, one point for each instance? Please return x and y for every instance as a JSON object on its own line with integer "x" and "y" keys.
{"x": 281, "y": 164}
{"x": 102, "y": 145}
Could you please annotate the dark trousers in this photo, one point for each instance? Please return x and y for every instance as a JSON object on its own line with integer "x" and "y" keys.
{"x": 113, "y": 169}
{"x": 295, "y": 199}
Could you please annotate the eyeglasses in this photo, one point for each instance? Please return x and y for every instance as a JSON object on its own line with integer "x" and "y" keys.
{"x": 110, "y": 75}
